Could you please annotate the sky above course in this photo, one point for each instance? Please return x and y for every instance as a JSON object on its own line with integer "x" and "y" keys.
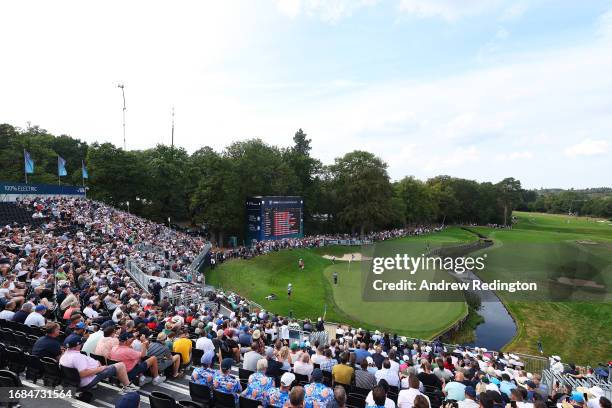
{"x": 480, "y": 89}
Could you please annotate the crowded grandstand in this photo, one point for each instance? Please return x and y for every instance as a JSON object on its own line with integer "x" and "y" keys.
{"x": 115, "y": 307}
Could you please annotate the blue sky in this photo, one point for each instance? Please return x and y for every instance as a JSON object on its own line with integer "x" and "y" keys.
{"x": 470, "y": 88}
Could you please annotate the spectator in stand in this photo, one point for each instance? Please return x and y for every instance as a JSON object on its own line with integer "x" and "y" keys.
{"x": 329, "y": 362}
{"x": 259, "y": 383}
{"x": 455, "y": 390}
{"x": 183, "y": 346}
{"x": 90, "y": 370}
{"x": 131, "y": 358}
{"x": 364, "y": 378}
{"x": 92, "y": 341}
{"x": 378, "y": 357}
{"x": 22, "y": 314}
{"x": 361, "y": 353}
{"x": 405, "y": 398}
{"x": 469, "y": 400}
{"x": 316, "y": 391}
{"x": 165, "y": 358}
{"x": 204, "y": 343}
{"x": 382, "y": 387}
{"x": 427, "y": 377}
{"x": 303, "y": 365}
{"x": 339, "y": 400}
{"x": 441, "y": 371}
{"x": 274, "y": 365}
{"x": 343, "y": 373}
{"x": 387, "y": 374}
{"x": 48, "y": 345}
{"x": 204, "y": 375}
{"x": 250, "y": 359}
{"x": 226, "y": 383}
{"x": 379, "y": 397}
{"x": 38, "y": 317}
{"x": 9, "y": 311}
{"x": 277, "y": 397}
{"x": 296, "y": 398}
{"x": 421, "y": 402}
{"x": 108, "y": 342}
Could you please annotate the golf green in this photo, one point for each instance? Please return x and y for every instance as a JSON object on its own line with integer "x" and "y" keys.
{"x": 314, "y": 293}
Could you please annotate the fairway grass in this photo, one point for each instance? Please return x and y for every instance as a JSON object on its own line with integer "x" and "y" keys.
{"x": 314, "y": 293}
{"x": 578, "y": 326}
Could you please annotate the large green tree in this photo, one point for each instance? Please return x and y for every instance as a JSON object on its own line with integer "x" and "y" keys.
{"x": 363, "y": 191}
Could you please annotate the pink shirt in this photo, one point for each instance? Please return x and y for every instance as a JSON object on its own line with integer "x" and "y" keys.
{"x": 105, "y": 345}
{"x": 74, "y": 359}
{"x": 127, "y": 355}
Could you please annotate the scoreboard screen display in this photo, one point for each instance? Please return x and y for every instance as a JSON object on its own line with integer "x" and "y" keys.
{"x": 274, "y": 218}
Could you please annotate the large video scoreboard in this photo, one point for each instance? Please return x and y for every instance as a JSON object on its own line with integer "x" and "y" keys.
{"x": 274, "y": 218}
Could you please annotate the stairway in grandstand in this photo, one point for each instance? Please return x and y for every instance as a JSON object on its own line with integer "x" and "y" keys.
{"x": 11, "y": 213}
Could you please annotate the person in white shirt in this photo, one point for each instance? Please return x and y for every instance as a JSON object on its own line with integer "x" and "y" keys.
{"x": 303, "y": 365}
{"x": 204, "y": 344}
{"x": 92, "y": 341}
{"x": 37, "y": 318}
{"x": 8, "y": 312}
{"x": 470, "y": 397}
{"x": 387, "y": 374}
{"x": 555, "y": 365}
{"x": 405, "y": 398}
{"x": 90, "y": 312}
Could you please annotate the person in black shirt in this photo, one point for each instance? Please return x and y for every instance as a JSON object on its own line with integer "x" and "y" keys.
{"x": 274, "y": 366}
{"x": 427, "y": 377}
{"x": 48, "y": 345}
{"x": 23, "y": 313}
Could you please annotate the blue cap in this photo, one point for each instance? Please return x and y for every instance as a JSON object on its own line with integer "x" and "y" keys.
{"x": 80, "y": 325}
{"x": 576, "y": 396}
{"x": 469, "y": 390}
{"x": 40, "y": 308}
{"x": 73, "y": 340}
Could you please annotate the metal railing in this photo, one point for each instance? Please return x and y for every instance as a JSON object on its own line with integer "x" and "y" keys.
{"x": 549, "y": 378}
{"x": 137, "y": 274}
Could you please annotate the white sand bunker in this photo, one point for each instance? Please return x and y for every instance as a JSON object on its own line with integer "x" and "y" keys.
{"x": 356, "y": 256}
{"x": 580, "y": 282}
{"x": 587, "y": 242}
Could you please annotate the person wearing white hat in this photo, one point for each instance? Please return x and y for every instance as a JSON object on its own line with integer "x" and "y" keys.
{"x": 277, "y": 397}
{"x": 555, "y": 365}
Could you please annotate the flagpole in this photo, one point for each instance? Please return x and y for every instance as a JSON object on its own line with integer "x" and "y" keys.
{"x": 25, "y": 169}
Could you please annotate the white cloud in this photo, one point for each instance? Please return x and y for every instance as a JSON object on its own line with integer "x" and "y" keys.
{"x": 328, "y": 11}
{"x": 290, "y": 8}
{"x": 449, "y": 10}
{"x": 524, "y": 155}
{"x": 587, "y": 147}
{"x": 605, "y": 24}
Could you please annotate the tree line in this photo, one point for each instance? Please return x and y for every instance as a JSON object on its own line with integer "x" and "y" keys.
{"x": 208, "y": 188}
